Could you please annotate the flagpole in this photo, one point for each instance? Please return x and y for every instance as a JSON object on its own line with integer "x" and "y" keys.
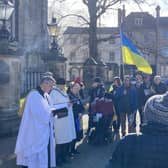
{"x": 121, "y": 66}
{"x": 122, "y": 70}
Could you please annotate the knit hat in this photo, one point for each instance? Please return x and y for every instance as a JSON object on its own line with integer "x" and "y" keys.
{"x": 47, "y": 78}
{"x": 78, "y": 80}
{"x": 156, "y": 109}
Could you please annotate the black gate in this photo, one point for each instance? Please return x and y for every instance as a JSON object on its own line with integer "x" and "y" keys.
{"x": 31, "y": 79}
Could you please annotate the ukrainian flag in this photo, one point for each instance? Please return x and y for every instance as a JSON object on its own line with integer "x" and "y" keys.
{"x": 133, "y": 57}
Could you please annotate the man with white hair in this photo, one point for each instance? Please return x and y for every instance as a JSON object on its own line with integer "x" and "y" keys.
{"x": 36, "y": 129}
{"x": 149, "y": 149}
{"x": 158, "y": 86}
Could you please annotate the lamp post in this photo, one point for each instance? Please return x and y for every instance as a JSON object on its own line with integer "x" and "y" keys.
{"x": 6, "y": 10}
{"x": 53, "y": 32}
{"x": 55, "y": 58}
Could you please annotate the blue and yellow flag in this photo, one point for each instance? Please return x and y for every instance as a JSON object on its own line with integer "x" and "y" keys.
{"x": 133, "y": 57}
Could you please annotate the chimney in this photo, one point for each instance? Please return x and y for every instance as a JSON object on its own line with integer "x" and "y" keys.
{"x": 158, "y": 11}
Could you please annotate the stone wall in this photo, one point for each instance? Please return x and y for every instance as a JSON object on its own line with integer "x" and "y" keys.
{"x": 33, "y": 33}
{"x": 9, "y": 94}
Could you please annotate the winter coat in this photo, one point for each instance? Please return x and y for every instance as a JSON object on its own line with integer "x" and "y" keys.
{"x": 124, "y": 100}
{"x": 116, "y": 97}
{"x": 160, "y": 88}
{"x": 103, "y": 106}
{"x": 77, "y": 108}
{"x": 133, "y": 99}
{"x": 77, "y": 105}
{"x": 140, "y": 95}
{"x": 121, "y": 100}
{"x": 147, "y": 92}
{"x": 97, "y": 92}
{"x": 147, "y": 150}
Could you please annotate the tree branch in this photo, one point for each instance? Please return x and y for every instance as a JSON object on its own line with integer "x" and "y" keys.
{"x": 105, "y": 6}
{"x": 76, "y": 15}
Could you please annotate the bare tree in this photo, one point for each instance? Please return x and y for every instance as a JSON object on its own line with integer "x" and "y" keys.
{"x": 97, "y": 8}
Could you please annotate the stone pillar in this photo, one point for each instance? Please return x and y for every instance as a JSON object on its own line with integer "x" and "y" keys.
{"x": 33, "y": 19}
{"x": 9, "y": 94}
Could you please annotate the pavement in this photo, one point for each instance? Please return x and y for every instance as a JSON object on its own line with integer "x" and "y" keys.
{"x": 7, "y": 156}
{"x": 90, "y": 156}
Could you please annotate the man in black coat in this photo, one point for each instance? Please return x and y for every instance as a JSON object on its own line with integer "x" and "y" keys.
{"x": 149, "y": 149}
{"x": 97, "y": 91}
{"x": 140, "y": 97}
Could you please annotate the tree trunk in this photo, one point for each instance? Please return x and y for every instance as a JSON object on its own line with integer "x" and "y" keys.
{"x": 93, "y": 29}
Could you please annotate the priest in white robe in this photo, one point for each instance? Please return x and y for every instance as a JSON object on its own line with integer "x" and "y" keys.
{"x": 64, "y": 126}
{"x": 36, "y": 129}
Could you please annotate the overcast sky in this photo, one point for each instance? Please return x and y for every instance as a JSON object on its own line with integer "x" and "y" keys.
{"x": 110, "y": 19}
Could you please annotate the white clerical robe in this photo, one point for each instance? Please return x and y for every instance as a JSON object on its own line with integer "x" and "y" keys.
{"x": 36, "y": 129}
{"x": 64, "y": 127}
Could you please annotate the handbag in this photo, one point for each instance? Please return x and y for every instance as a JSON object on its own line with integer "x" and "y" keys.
{"x": 61, "y": 113}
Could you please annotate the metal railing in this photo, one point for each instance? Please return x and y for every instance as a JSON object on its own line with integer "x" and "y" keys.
{"x": 31, "y": 79}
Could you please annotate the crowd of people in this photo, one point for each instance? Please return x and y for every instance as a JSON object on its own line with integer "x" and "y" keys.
{"x": 148, "y": 149}
{"x": 129, "y": 97}
{"x": 51, "y": 122}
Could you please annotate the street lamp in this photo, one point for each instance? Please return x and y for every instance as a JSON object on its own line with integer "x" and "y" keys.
{"x": 6, "y": 10}
{"x": 55, "y": 57}
{"x": 53, "y": 31}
